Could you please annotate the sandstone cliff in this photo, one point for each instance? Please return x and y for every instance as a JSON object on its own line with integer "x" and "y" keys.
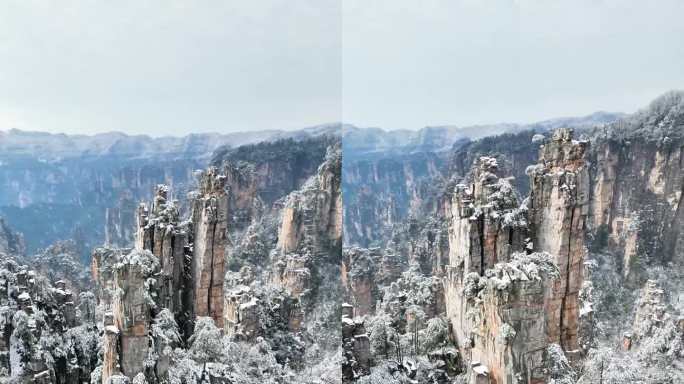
{"x": 636, "y": 190}
{"x": 383, "y": 191}
{"x": 558, "y": 210}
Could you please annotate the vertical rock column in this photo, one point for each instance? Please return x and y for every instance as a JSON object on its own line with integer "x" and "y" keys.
{"x": 495, "y": 308}
{"x": 559, "y": 208}
{"x": 160, "y": 232}
{"x": 210, "y": 224}
{"x": 124, "y": 290}
{"x": 485, "y": 227}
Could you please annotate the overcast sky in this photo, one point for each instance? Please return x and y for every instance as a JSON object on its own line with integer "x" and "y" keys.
{"x": 409, "y": 63}
{"x": 169, "y": 67}
{"x": 174, "y": 67}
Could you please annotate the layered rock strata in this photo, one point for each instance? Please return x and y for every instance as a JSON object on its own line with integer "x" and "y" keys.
{"x": 175, "y": 266}
{"x": 360, "y": 278}
{"x": 500, "y": 319}
{"x": 507, "y": 307}
{"x": 312, "y": 216}
{"x": 160, "y": 231}
{"x": 385, "y": 191}
{"x": 129, "y": 303}
{"x": 310, "y": 233}
{"x": 210, "y": 225}
{"x": 636, "y": 193}
{"x": 486, "y": 222}
{"x": 559, "y": 205}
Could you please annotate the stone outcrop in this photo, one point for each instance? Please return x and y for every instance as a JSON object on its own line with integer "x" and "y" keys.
{"x": 498, "y": 318}
{"x": 210, "y": 226}
{"x": 134, "y": 285}
{"x": 559, "y": 205}
{"x": 651, "y": 311}
{"x": 310, "y": 233}
{"x": 383, "y": 191}
{"x": 175, "y": 266}
{"x": 355, "y": 346}
{"x": 360, "y": 278}
{"x": 257, "y": 176}
{"x": 84, "y": 182}
{"x": 160, "y": 231}
{"x": 241, "y": 314}
{"x": 636, "y": 194}
{"x": 486, "y": 224}
{"x": 128, "y": 304}
{"x": 505, "y": 307}
{"x": 312, "y": 216}
{"x": 292, "y": 272}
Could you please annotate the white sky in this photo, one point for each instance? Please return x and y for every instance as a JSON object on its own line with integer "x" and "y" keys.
{"x": 408, "y": 64}
{"x": 174, "y": 67}
{"x": 169, "y": 67}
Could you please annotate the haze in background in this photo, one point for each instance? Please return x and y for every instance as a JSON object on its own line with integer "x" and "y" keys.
{"x": 408, "y": 64}
{"x": 169, "y": 67}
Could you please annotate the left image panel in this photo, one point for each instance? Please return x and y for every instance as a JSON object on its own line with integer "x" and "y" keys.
{"x": 170, "y": 192}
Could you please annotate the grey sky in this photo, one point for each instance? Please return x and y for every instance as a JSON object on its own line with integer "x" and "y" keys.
{"x": 173, "y": 67}
{"x": 169, "y": 67}
{"x": 408, "y": 63}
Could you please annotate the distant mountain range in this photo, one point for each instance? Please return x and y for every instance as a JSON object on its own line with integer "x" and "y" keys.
{"x": 368, "y": 141}
{"x": 59, "y": 186}
{"x": 50, "y": 146}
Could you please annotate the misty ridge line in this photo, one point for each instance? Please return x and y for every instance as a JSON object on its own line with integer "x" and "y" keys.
{"x": 20, "y": 141}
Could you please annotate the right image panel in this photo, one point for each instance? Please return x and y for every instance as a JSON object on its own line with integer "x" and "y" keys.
{"x": 512, "y": 182}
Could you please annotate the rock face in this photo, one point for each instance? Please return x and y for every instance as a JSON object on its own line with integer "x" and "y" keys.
{"x": 270, "y": 170}
{"x": 486, "y": 223}
{"x": 506, "y": 307}
{"x": 134, "y": 285}
{"x": 176, "y": 281}
{"x": 124, "y": 285}
{"x": 241, "y": 315}
{"x": 494, "y": 297}
{"x": 513, "y": 152}
{"x": 636, "y": 190}
{"x": 312, "y": 217}
{"x": 11, "y": 243}
{"x": 502, "y": 324}
{"x": 389, "y": 176}
{"x": 310, "y": 234}
{"x": 210, "y": 225}
{"x": 177, "y": 267}
{"x": 651, "y": 311}
{"x": 384, "y": 191}
{"x": 54, "y": 186}
{"x": 559, "y": 205}
{"x": 160, "y": 231}
{"x": 355, "y": 346}
{"x": 360, "y": 278}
